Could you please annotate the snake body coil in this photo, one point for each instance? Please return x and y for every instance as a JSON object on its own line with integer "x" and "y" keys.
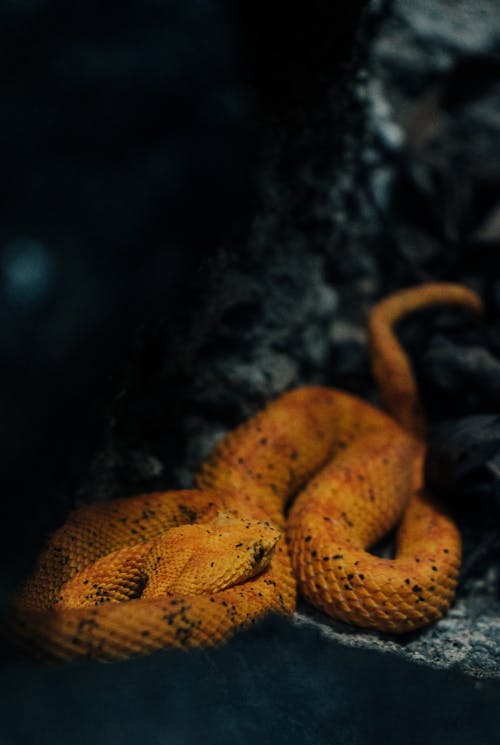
{"x": 190, "y": 568}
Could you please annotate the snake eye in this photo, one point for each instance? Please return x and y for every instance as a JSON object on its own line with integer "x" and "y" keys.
{"x": 258, "y": 553}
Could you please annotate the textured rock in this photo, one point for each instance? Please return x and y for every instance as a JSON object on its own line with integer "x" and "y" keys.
{"x": 463, "y": 464}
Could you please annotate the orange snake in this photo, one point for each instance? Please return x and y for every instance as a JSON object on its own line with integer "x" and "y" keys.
{"x": 190, "y": 568}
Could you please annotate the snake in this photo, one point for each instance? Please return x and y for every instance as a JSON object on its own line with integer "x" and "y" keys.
{"x": 289, "y": 502}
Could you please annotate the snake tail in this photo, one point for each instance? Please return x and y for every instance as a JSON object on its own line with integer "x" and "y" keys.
{"x": 391, "y": 367}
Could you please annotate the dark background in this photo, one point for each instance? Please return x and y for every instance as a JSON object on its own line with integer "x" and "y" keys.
{"x": 185, "y": 194}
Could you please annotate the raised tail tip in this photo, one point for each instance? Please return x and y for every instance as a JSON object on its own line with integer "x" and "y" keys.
{"x": 390, "y": 363}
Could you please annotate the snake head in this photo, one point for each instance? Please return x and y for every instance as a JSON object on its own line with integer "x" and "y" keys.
{"x": 204, "y": 558}
{"x": 247, "y": 544}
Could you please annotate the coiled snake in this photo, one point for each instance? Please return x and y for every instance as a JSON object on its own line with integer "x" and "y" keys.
{"x": 190, "y": 568}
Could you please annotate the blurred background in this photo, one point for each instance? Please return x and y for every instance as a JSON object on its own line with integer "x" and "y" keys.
{"x": 199, "y": 203}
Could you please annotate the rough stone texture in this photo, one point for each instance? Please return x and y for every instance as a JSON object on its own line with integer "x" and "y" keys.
{"x": 463, "y": 463}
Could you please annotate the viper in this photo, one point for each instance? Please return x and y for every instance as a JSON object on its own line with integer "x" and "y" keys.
{"x": 292, "y": 498}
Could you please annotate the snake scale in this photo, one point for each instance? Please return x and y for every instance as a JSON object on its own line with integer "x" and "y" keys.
{"x": 190, "y": 568}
